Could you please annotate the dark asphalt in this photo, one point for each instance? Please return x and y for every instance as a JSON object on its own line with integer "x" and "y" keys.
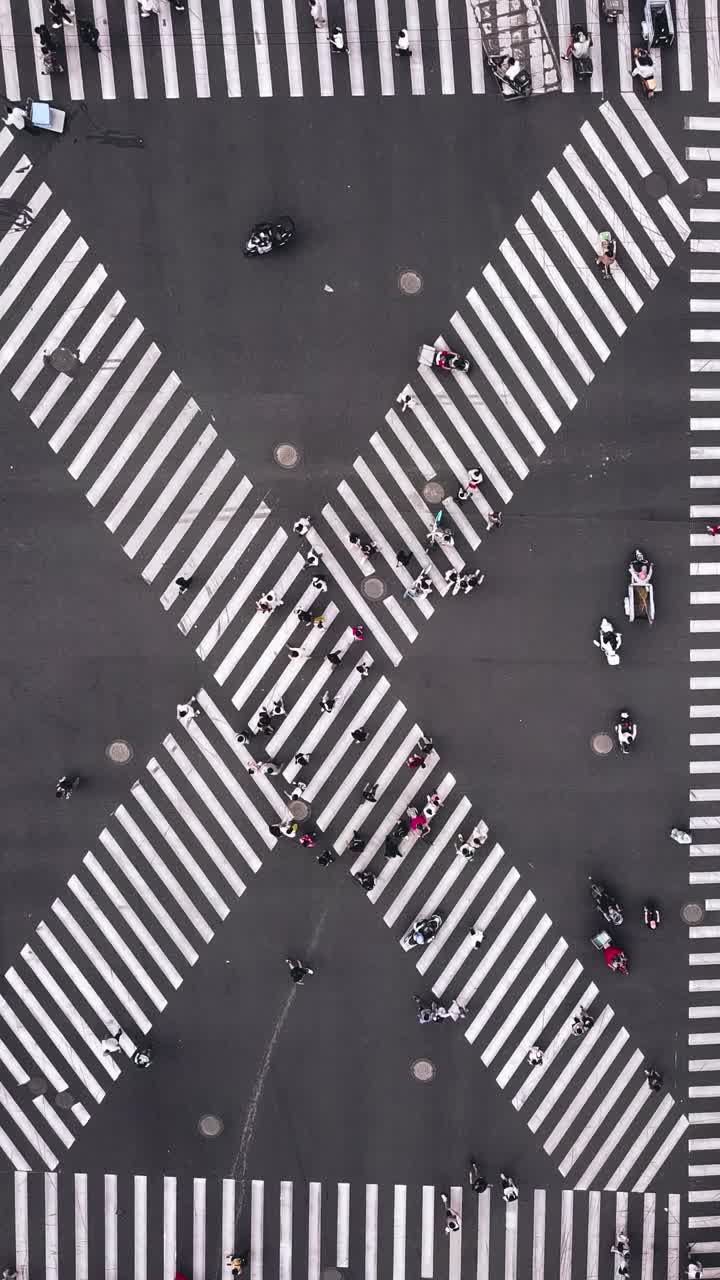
{"x": 509, "y": 682}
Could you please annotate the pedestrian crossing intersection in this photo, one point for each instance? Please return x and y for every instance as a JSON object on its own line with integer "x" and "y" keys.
{"x": 137, "y": 1227}
{"x": 220, "y": 48}
{"x": 181, "y": 850}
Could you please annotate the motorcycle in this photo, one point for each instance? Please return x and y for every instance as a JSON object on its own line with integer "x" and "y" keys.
{"x": 644, "y": 68}
{"x": 440, "y": 358}
{"x": 609, "y": 642}
{"x": 423, "y": 931}
{"x": 680, "y": 836}
{"x": 616, "y": 959}
{"x": 609, "y": 909}
{"x": 266, "y": 236}
{"x": 513, "y": 80}
{"x": 581, "y": 42}
{"x": 651, "y": 916}
{"x": 626, "y": 731}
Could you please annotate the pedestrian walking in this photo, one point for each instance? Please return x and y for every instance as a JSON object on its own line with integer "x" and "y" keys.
{"x": 679, "y": 836}
{"x": 187, "y": 711}
{"x": 111, "y": 1044}
{"x": 275, "y": 829}
{"x": 268, "y": 602}
{"x": 357, "y": 842}
{"x": 404, "y": 559}
{"x": 463, "y": 846}
{"x": 335, "y": 657}
{"x": 337, "y": 40}
{"x": 358, "y": 631}
{"x": 425, "y": 746}
{"x": 416, "y": 761}
{"x": 178, "y": 6}
{"x": 402, "y": 44}
{"x": 363, "y": 670}
{"x": 535, "y": 1056}
{"x": 297, "y": 791}
{"x": 301, "y": 758}
{"x": 65, "y": 786}
{"x": 302, "y": 526}
{"x": 319, "y": 582}
{"x": 419, "y": 823}
{"x": 304, "y": 616}
{"x": 327, "y": 702}
{"x": 294, "y": 652}
{"x": 7, "y": 1274}
{"x": 47, "y": 44}
{"x": 494, "y": 520}
{"x": 316, "y": 14}
{"x": 245, "y": 736}
{"x": 307, "y": 840}
{"x": 365, "y": 879}
{"x": 359, "y": 735}
{"x": 326, "y": 858}
{"x": 269, "y": 767}
{"x": 477, "y": 935}
{"x": 406, "y": 401}
{"x": 369, "y": 792}
{"x": 621, "y": 1245}
{"x": 59, "y": 13}
{"x": 182, "y": 584}
{"x": 17, "y": 117}
{"x": 289, "y": 828}
{"x": 392, "y": 849}
{"x": 478, "y": 1184}
{"x": 695, "y": 1266}
{"x": 713, "y": 529}
{"x": 277, "y": 708}
{"x": 238, "y": 1263}
{"x": 623, "y": 1270}
{"x": 426, "y": 1010}
{"x": 89, "y": 34}
{"x": 368, "y": 548}
{"x": 431, "y": 807}
{"x": 582, "y": 1022}
{"x": 298, "y": 971}
{"x": 475, "y": 478}
{"x": 452, "y": 1219}
{"x": 654, "y": 1079}
{"x": 312, "y": 558}
{"x": 142, "y": 1057}
{"x": 509, "y": 1188}
{"x": 319, "y": 622}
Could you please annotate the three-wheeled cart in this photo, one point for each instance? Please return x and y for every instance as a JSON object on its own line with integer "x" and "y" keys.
{"x": 45, "y": 116}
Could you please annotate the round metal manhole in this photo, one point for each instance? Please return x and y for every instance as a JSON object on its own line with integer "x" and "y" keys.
{"x": 656, "y": 185}
{"x": 373, "y": 588}
{"x": 119, "y": 751}
{"x": 64, "y": 1100}
{"x": 63, "y": 360}
{"x": 37, "y": 1086}
{"x": 286, "y": 455}
{"x": 696, "y": 188}
{"x": 692, "y": 913}
{"x": 601, "y": 743}
{"x": 433, "y": 491}
{"x": 300, "y": 810}
{"x": 332, "y": 1273}
{"x": 423, "y": 1070}
{"x": 210, "y": 1126}
{"x": 410, "y": 282}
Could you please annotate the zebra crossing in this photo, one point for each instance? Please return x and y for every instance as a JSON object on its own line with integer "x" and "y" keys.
{"x": 182, "y": 849}
{"x": 218, "y": 48}
{"x": 139, "y": 1226}
{"x": 702, "y": 159}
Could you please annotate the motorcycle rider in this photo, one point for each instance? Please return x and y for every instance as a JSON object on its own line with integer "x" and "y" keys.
{"x": 640, "y": 568}
{"x": 580, "y": 44}
{"x": 679, "y": 836}
{"x": 651, "y": 916}
{"x": 615, "y": 959}
{"x": 609, "y": 642}
{"x": 260, "y": 240}
{"x": 337, "y": 40}
{"x": 424, "y": 930}
{"x": 626, "y": 730}
{"x": 644, "y": 67}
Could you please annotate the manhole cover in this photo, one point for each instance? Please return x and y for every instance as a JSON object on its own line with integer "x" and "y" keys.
{"x": 373, "y": 588}
{"x": 210, "y": 1126}
{"x": 656, "y": 185}
{"x": 300, "y": 810}
{"x": 601, "y": 743}
{"x": 119, "y": 751}
{"x": 332, "y": 1273}
{"x": 433, "y": 491}
{"x": 423, "y": 1070}
{"x": 286, "y": 455}
{"x": 63, "y": 360}
{"x": 692, "y": 913}
{"x": 410, "y": 282}
{"x": 37, "y": 1086}
{"x": 696, "y": 188}
{"x": 64, "y": 1100}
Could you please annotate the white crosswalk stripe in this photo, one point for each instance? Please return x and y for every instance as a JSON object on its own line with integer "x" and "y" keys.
{"x": 178, "y": 851}
{"x": 220, "y": 49}
{"x": 114, "y": 1224}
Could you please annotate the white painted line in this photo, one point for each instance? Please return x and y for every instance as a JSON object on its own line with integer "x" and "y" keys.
{"x": 264, "y": 74}
{"x": 385, "y": 57}
{"x": 408, "y": 442}
{"x": 427, "y": 1233}
{"x": 376, "y": 535}
{"x": 502, "y": 391}
{"x": 187, "y": 518}
{"x": 682, "y": 44}
{"x": 405, "y": 798}
{"x": 567, "y": 72}
{"x": 444, "y": 39}
{"x": 199, "y": 51}
{"x": 116, "y": 407}
{"x": 292, "y": 49}
{"x": 600, "y": 1111}
{"x": 232, "y": 67}
{"x": 324, "y": 722}
{"x": 324, "y": 57}
{"x": 566, "y": 1235}
{"x": 167, "y": 50}
{"x": 658, "y": 1160}
{"x": 294, "y": 667}
{"x": 314, "y": 1230}
{"x": 260, "y": 621}
{"x": 18, "y": 1160}
{"x": 202, "y": 835}
{"x": 179, "y": 849}
{"x": 34, "y": 260}
{"x": 512, "y": 971}
{"x": 52, "y": 1225}
{"x": 613, "y": 219}
{"x": 110, "y": 1241}
{"x": 203, "y": 547}
{"x": 705, "y": 246}
{"x": 574, "y": 258}
{"x": 522, "y": 1003}
{"x": 134, "y": 44}
{"x": 357, "y": 601}
{"x": 705, "y": 215}
{"x": 506, "y": 349}
{"x": 247, "y": 585}
{"x": 425, "y": 865}
{"x": 68, "y": 1009}
{"x": 118, "y": 988}
{"x": 547, "y": 1011}
{"x": 580, "y": 1053}
{"x": 232, "y": 786}
{"x": 646, "y": 123}
{"x": 469, "y": 439}
{"x": 148, "y": 897}
{"x": 171, "y": 490}
{"x": 358, "y": 818}
{"x": 549, "y": 315}
{"x": 241, "y": 753}
{"x": 414, "y": 30}
{"x": 487, "y": 915}
{"x": 712, "y": 42}
{"x": 624, "y": 189}
{"x": 11, "y": 79}
{"x": 564, "y": 292}
{"x": 32, "y": 1048}
{"x": 625, "y": 139}
{"x": 69, "y": 318}
{"x": 649, "y": 1129}
{"x": 87, "y": 346}
{"x": 286, "y": 1219}
{"x": 385, "y": 503}
{"x": 342, "y": 1245}
{"x": 354, "y": 40}
{"x": 227, "y": 1226}
{"x": 400, "y": 618}
{"x": 674, "y": 217}
{"x": 198, "y": 1233}
{"x": 705, "y": 124}
{"x": 71, "y": 970}
{"x": 620, "y": 1130}
{"x": 94, "y": 388}
{"x": 81, "y": 1226}
{"x": 111, "y": 934}
{"x": 538, "y": 1239}
{"x": 495, "y": 950}
{"x": 353, "y": 777}
{"x": 531, "y": 338}
{"x": 492, "y": 426}
{"x": 38, "y": 308}
{"x": 511, "y": 1244}
{"x": 371, "y": 1230}
{"x": 342, "y": 533}
{"x": 257, "y": 1221}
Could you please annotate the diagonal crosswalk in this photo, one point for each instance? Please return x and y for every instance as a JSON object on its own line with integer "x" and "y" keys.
{"x": 138, "y": 1226}
{"x": 220, "y": 48}
{"x": 704, "y": 871}
{"x": 184, "y": 846}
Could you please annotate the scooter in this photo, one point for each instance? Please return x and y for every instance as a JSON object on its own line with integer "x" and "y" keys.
{"x": 581, "y": 60}
{"x": 513, "y": 80}
{"x": 651, "y": 916}
{"x": 423, "y": 931}
{"x": 626, "y": 731}
{"x": 441, "y": 358}
{"x": 609, "y": 909}
{"x": 608, "y": 642}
